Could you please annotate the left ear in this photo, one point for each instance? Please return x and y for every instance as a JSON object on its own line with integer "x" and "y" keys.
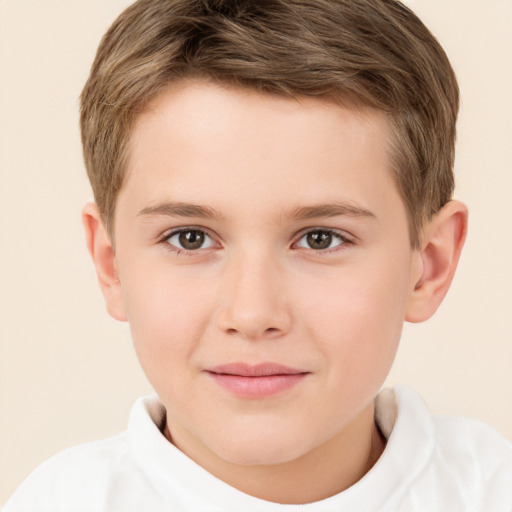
{"x": 442, "y": 243}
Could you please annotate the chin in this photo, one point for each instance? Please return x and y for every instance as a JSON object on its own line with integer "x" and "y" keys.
{"x": 260, "y": 450}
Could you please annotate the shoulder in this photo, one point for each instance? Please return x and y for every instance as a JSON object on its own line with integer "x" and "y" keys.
{"x": 111, "y": 474}
{"x": 467, "y": 463}
{"x": 475, "y": 451}
{"x": 65, "y": 481}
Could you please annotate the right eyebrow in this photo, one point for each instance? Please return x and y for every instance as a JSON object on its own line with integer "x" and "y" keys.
{"x": 181, "y": 210}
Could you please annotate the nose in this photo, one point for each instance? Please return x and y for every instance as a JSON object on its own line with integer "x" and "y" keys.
{"x": 254, "y": 302}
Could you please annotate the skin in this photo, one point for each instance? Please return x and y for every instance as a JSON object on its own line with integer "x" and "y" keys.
{"x": 256, "y": 291}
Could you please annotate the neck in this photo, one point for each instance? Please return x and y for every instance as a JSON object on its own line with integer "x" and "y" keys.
{"x": 325, "y": 471}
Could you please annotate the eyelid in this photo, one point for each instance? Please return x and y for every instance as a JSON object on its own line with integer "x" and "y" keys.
{"x": 345, "y": 237}
{"x": 164, "y": 238}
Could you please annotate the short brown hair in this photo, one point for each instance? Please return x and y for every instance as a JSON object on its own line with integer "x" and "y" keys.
{"x": 376, "y": 52}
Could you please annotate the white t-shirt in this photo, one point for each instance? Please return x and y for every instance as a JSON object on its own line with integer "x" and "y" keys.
{"x": 430, "y": 464}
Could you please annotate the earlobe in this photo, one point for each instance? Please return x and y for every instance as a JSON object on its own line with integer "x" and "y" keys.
{"x": 103, "y": 256}
{"x": 442, "y": 244}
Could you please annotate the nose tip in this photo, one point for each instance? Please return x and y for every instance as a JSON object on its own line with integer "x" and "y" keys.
{"x": 252, "y": 318}
{"x": 255, "y": 305}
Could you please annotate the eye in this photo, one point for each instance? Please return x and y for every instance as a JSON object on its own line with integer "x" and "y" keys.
{"x": 321, "y": 240}
{"x": 190, "y": 240}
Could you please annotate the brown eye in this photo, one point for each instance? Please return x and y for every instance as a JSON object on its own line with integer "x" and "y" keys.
{"x": 320, "y": 240}
{"x": 190, "y": 240}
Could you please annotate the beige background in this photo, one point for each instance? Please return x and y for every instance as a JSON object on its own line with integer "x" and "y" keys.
{"x": 68, "y": 373}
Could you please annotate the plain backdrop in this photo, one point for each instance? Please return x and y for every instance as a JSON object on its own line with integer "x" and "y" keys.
{"x": 68, "y": 373}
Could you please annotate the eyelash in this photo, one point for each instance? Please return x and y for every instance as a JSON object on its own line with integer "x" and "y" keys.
{"x": 179, "y": 251}
{"x": 344, "y": 240}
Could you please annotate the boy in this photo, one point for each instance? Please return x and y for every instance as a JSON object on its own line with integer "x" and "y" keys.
{"x": 273, "y": 187}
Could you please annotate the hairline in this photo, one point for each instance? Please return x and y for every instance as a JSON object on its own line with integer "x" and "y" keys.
{"x": 338, "y": 97}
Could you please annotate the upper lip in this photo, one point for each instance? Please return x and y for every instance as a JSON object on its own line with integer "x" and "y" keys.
{"x": 254, "y": 370}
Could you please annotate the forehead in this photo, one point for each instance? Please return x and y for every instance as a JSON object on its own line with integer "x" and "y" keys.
{"x": 205, "y": 143}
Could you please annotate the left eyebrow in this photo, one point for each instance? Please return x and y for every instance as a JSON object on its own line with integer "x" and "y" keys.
{"x": 330, "y": 210}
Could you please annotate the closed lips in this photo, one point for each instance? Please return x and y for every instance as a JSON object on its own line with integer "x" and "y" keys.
{"x": 256, "y": 381}
{"x": 259, "y": 370}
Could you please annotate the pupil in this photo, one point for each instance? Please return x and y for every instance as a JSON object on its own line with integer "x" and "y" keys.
{"x": 191, "y": 240}
{"x": 319, "y": 240}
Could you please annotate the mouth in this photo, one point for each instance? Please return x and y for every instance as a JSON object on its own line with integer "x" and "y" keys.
{"x": 256, "y": 381}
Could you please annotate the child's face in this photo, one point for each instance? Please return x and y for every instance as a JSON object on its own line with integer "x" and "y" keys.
{"x": 258, "y": 230}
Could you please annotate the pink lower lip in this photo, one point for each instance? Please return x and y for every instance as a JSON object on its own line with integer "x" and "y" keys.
{"x": 257, "y": 387}
{"x": 256, "y": 382}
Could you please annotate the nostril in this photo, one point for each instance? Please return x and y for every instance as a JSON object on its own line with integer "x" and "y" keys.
{"x": 270, "y": 332}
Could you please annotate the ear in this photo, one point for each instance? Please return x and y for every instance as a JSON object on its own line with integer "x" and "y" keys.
{"x": 442, "y": 244}
{"x": 103, "y": 256}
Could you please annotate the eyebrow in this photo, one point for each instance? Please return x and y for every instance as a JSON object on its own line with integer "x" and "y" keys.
{"x": 330, "y": 210}
{"x": 300, "y": 212}
{"x": 181, "y": 210}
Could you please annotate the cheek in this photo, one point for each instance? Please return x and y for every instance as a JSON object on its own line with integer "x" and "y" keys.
{"x": 357, "y": 318}
{"x": 167, "y": 318}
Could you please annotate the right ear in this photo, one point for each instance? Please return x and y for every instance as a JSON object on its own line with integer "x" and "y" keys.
{"x": 103, "y": 256}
